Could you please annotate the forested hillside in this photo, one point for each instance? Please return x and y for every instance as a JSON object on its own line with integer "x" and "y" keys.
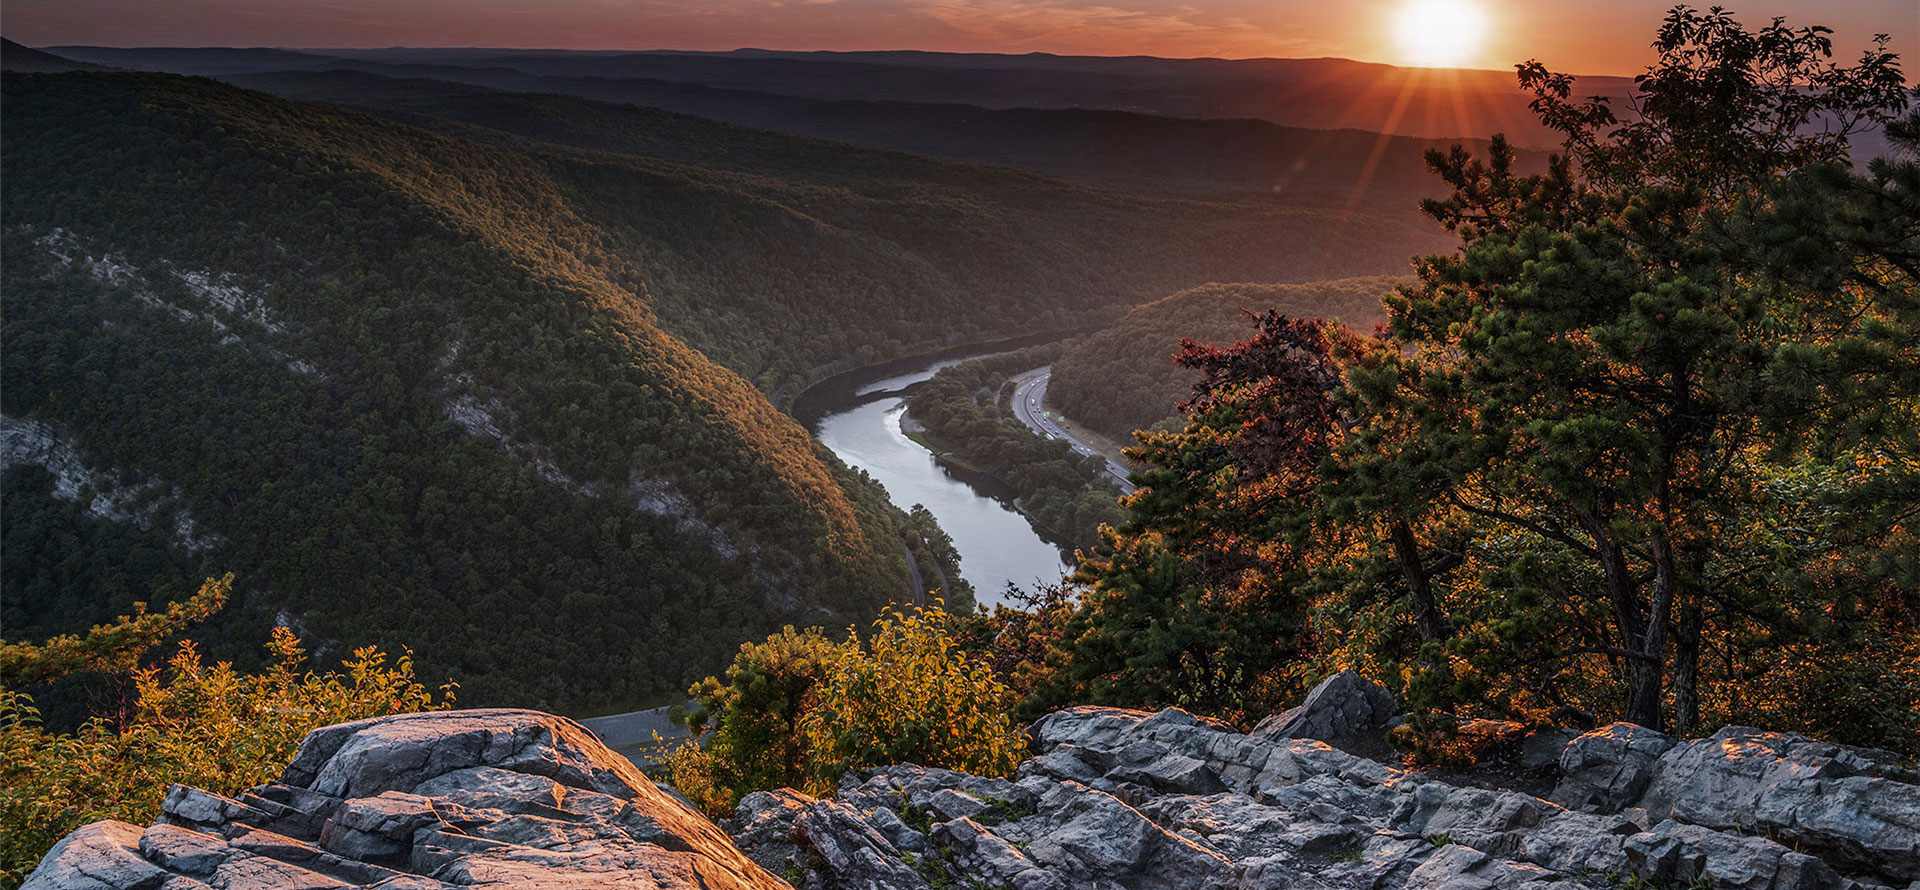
{"x": 1123, "y": 377}
{"x": 401, "y": 388}
{"x": 785, "y": 257}
{"x": 472, "y": 365}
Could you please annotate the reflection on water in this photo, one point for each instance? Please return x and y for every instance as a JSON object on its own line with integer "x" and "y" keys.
{"x": 902, "y": 381}
{"x": 995, "y": 542}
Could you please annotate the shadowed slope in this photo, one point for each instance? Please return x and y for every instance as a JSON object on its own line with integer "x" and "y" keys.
{"x": 394, "y": 379}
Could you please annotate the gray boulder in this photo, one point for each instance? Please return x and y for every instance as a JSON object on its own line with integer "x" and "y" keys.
{"x": 1607, "y": 769}
{"x": 847, "y": 853}
{"x": 763, "y": 827}
{"x": 981, "y": 857}
{"x": 1112, "y": 798}
{"x": 1676, "y": 854}
{"x": 1857, "y": 808}
{"x": 827, "y": 843}
{"x": 1344, "y": 706}
{"x": 1460, "y": 867}
{"x": 106, "y": 856}
{"x": 1090, "y": 836}
{"x": 1118, "y": 798}
{"x": 1541, "y": 749}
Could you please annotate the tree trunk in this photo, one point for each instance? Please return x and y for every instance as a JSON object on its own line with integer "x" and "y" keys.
{"x": 1686, "y": 668}
{"x": 1427, "y": 617}
{"x": 1644, "y": 707}
{"x": 1641, "y": 625}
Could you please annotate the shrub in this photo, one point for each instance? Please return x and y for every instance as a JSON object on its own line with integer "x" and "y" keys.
{"x": 800, "y": 710}
{"x": 915, "y": 698}
{"x": 192, "y": 723}
{"x": 756, "y": 741}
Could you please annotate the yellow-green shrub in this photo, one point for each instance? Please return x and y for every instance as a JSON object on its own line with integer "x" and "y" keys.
{"x": 193, "y": 723}
{"x": 912, "y": 697}
{"x": 800, "y": 710}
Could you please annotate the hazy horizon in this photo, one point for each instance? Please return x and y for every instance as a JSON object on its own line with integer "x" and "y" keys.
{"x": 319, "y": 49}
{"x": 1586, "y": 36}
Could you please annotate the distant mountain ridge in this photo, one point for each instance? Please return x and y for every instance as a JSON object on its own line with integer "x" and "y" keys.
{"x": 1303, "y": 93}
{"x": 1111, "y": 148}
{"x": 14, "y": 57}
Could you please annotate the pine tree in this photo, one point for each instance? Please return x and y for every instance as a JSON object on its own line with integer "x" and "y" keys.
{"x": 1600, "y": 371}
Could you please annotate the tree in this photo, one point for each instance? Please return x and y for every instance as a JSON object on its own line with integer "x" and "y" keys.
{"x": 1631, "y": 448}
{"x": 756, "y": 740}
{"x": 1601, "y": 373}
{"x": 114, "y": 648}
{"x": 1193, "y": 600}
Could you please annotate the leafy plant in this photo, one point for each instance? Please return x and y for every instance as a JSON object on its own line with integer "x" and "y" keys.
{"x": 799, "y": 710}
{"x": 193, "y": 723}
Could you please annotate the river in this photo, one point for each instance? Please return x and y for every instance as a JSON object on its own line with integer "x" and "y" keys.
{"x": 860, "y": 421}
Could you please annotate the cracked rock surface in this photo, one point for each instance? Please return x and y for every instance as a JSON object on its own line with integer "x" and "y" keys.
{"x": 497, "y": 798}
{"x": 1127, "y": 799}
{"x": 1111, "y": 799}
{"x": 1343, "y": 706}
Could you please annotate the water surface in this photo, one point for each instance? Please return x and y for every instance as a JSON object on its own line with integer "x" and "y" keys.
{"x": 996, "y": 543}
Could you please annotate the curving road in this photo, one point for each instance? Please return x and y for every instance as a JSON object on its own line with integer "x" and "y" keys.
{"x": 1029, "y": 404}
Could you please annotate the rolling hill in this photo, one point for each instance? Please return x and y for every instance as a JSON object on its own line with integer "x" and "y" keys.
{"x": 1113, "y": 149}
{"x": 763, "y": 88}
{"x": 1309, "y": 93}
{"x": 786, "y": 257}
{"x": 1291, "y": 126}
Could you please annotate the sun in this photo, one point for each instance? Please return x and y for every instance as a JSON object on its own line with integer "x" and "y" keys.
{"x": 1439, "y": 33}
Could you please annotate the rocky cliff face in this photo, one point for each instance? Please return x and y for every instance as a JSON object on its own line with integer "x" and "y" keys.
{"x": 1110, "y": 799}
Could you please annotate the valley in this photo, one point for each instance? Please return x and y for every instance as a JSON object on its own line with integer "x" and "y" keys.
{"x": 714, "y": 271}
{"x": 440, "y": 461}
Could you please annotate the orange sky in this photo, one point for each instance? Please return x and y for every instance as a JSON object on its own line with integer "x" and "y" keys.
{"x": 1585, "y": 36}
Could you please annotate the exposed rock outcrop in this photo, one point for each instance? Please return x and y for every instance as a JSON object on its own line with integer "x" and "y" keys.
{"x": 1856, "y": 808}
{"x": 501, "y": 798}
{"x": 1119, "y": 798}
{"x": 1111, "y": 798}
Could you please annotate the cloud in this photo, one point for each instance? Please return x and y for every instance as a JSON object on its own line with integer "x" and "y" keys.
{"x": 1104, "y": 28}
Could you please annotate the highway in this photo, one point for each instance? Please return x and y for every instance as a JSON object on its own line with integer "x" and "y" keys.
{"x": 631, "y": 735}
{"x": 1029, "y": 404}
